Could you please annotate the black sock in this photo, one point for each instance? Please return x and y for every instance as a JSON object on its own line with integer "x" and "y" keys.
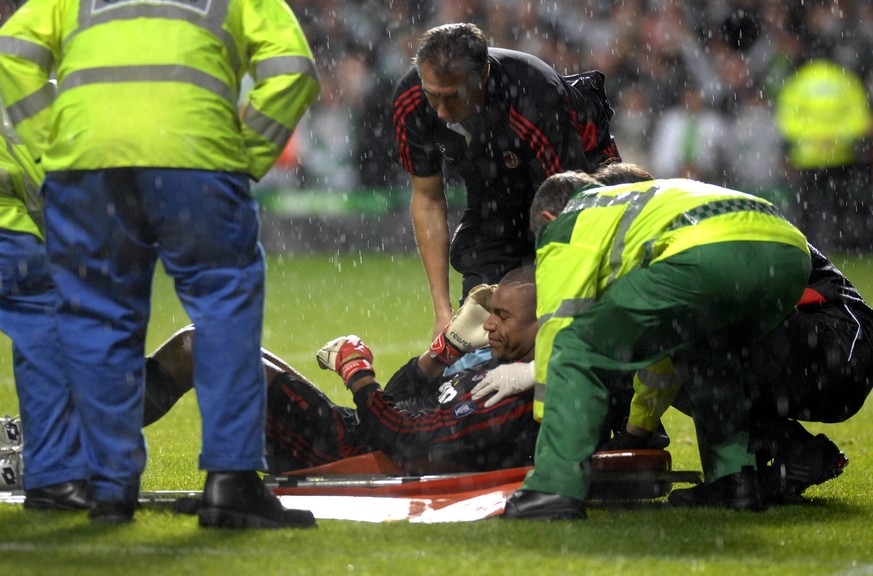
{"x": 161, "y": 391}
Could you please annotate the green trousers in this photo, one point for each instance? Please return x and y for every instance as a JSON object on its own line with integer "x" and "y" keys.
{"x": 701, "y": 307}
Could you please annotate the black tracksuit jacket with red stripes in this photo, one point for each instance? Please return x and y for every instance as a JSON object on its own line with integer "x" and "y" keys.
{"x": 818, "y": 365}
{"x": 533, "y": 125}
{"x": 424, "y": 426}
{"x": 432, "y": 424}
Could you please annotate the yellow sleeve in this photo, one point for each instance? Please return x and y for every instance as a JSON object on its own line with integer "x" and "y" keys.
{"x": 285, "y": 81}
{"x": 655, "y": 389}
{"x": 29, "y": 48}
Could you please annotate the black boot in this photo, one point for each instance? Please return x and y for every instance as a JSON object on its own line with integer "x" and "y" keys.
{"x": 240, "y": 500}
{"x": 113, "y": 511}
{"x": 526, "y": 504}
{"x": 791, "y": 459}
{"x": 738, "y": 491}
{"x": 804, "y": 464}
{"x": 66, "y": 496}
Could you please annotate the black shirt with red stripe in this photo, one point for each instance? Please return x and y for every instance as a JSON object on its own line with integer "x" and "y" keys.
{"x": 533, "y": 124}
{"x": 424, "y": 426}
{"x": 828, "y": 284}
{"x": 435, "y": 425}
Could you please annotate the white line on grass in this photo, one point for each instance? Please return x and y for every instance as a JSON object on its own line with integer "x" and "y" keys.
{"x": 858, "y": 570}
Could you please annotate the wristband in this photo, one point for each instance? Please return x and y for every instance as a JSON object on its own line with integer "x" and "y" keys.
{"x": 444, "y": 351}
{"x": 354, "y": 369}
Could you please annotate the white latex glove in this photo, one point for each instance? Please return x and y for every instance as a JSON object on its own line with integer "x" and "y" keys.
{"x": 505, "y": 380}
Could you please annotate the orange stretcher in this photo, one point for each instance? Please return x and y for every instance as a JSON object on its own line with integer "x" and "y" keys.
{"x": 371, "y": 487}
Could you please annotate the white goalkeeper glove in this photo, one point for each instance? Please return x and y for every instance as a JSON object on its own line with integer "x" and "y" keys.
{"x": 505, "y": 380}
{"x": 465, "y": 332}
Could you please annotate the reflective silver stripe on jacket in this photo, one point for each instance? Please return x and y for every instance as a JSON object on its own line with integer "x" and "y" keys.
{"x": 281, "y": 65}
{"x": 539, "y": 392}
{"x": 271, "y": 130}
{"x": 42, "y": 57}
{"x": 150, "y": 73}
{"x": 200, "y": 7}
{"x": 569, "y": 308}
{"x": 207, "y": 14}
{"x": 39, "y": 55}
{"x": 33, "y": 104}
{"x": 634, "y": 201}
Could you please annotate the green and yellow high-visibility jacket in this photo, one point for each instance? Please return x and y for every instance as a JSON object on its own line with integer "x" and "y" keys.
{"x": 604, "y": 233}
{"x": 20, "y": 178}
{"x": 155, "y": 83}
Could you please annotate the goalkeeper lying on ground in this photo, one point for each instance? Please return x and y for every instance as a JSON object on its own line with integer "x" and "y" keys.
{"x": 424, "y": 421}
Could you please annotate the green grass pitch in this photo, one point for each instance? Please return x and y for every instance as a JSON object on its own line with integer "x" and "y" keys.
{"x": 384, "y": 299}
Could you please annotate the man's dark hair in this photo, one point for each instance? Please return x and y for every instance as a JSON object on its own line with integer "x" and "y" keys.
{"x": 524, "y": 278}
{"x": 621, "y": 173}
{"x": 452, "y": 48}
{"x": 522, "y": 275}
{"x": 554, "y": 193}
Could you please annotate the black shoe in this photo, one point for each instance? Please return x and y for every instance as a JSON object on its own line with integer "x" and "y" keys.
{"x": 621, "y": 439}
{"x": 738, "y": 491}
{"x": 240, "y": 500}
{"x": 67, "y": 496}
{"x": 187, "y": 505}
{"x": 113, "y": 511}
{"x": 543, "y": 506}
{"x": 801, "y": 465}
{"x": 624, "y": 440}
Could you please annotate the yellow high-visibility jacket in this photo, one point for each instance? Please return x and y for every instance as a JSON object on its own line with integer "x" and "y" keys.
{"x": 20, "y": 178}
{"x": 823, "y": 113}
{"x": 604, "y": 233}
{"x": 155, "y": 83}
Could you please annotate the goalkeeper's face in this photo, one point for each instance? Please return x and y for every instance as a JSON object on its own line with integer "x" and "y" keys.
{"x": 512, "y": 326}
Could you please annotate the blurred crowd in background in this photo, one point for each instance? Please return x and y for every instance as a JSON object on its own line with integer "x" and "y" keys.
{"x": 695, "y": 85}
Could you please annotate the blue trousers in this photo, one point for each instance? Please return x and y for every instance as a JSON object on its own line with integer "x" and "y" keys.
{"x": 52, "y": 451}
{"x": 106, "y": 229}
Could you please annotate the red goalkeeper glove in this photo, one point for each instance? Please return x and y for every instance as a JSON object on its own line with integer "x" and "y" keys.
{"x": 347, "y": 356}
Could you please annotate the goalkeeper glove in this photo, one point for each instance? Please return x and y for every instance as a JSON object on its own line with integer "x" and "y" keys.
{"x": 465, "y": 332}
{"x": 347, "y": 356}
